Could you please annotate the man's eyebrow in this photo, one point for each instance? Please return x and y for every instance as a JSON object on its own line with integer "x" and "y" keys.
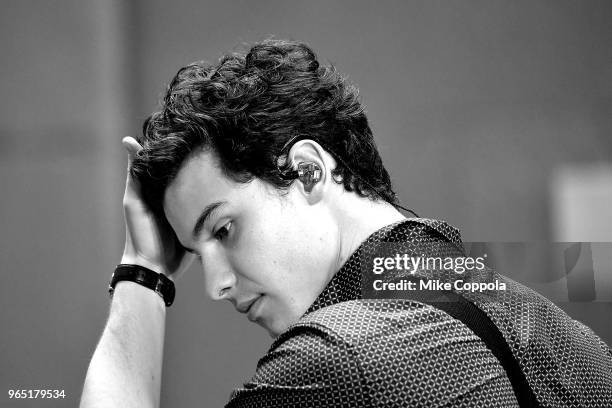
{"x": 204, "y": 216}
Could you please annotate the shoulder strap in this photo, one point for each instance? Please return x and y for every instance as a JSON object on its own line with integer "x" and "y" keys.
{"x": 479, "y": 322}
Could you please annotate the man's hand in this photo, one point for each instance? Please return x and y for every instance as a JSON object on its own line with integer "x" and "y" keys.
{"x": 149, "y": 240}
{"x": 126, "y": 367}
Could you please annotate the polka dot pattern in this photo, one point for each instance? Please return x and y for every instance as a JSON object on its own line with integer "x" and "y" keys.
{"x": 350, "y": 351}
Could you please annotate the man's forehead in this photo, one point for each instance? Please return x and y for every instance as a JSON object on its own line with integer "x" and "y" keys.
{"x": 198, "y": 182}
{"x": 200, "y": 169}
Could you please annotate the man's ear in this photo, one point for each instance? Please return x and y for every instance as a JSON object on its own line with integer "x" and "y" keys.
{"x": 314, "y": 166}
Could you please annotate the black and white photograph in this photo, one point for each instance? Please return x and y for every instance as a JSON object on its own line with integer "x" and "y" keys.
{"x": 323, "y": 203}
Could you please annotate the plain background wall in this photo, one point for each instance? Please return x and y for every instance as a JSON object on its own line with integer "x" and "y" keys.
{"x": 474, "y": 104}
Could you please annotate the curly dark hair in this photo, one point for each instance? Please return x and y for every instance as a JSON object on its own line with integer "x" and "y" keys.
{"x": 247, "y": 108}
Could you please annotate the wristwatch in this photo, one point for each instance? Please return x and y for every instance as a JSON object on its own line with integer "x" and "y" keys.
{"x": 157, "y": 282}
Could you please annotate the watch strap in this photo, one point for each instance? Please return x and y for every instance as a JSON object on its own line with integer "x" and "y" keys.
{"x": 157, "y": 282}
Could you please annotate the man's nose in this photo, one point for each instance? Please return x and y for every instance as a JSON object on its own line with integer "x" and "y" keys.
{"x": 219, "y": 279}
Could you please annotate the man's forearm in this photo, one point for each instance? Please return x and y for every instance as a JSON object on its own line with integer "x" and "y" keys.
{"x": 126, "y": 367}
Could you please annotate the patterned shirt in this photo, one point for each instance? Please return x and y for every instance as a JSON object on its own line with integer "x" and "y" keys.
{"x": 351, "y": 351}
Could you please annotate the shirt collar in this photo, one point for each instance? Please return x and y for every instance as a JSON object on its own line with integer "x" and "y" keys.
{"x": 347, "y": 282}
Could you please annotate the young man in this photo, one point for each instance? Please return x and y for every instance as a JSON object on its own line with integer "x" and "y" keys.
{"x": 264, "y": 167}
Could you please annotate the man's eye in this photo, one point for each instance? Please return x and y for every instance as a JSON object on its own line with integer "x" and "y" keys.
{"x": 222, "y": 232}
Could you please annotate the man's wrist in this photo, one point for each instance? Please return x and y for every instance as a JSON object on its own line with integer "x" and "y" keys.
{"x": 129, "y": 259}
{"x": 137, "y": 293}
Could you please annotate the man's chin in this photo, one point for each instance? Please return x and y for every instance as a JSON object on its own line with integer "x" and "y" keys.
{"x": 274, "y": 329}
{"x": 277, "y": 325}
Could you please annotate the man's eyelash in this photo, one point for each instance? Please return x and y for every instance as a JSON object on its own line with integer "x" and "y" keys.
{"x": 222, "y": 232}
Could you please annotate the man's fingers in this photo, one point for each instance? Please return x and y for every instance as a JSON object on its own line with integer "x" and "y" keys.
{"x": 131, "y": 145}
{"x": 131, "y": 141}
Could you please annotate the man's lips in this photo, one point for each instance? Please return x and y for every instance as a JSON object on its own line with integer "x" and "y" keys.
{"x": 255, "y": 309}
{"x": 244, "y": 307}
